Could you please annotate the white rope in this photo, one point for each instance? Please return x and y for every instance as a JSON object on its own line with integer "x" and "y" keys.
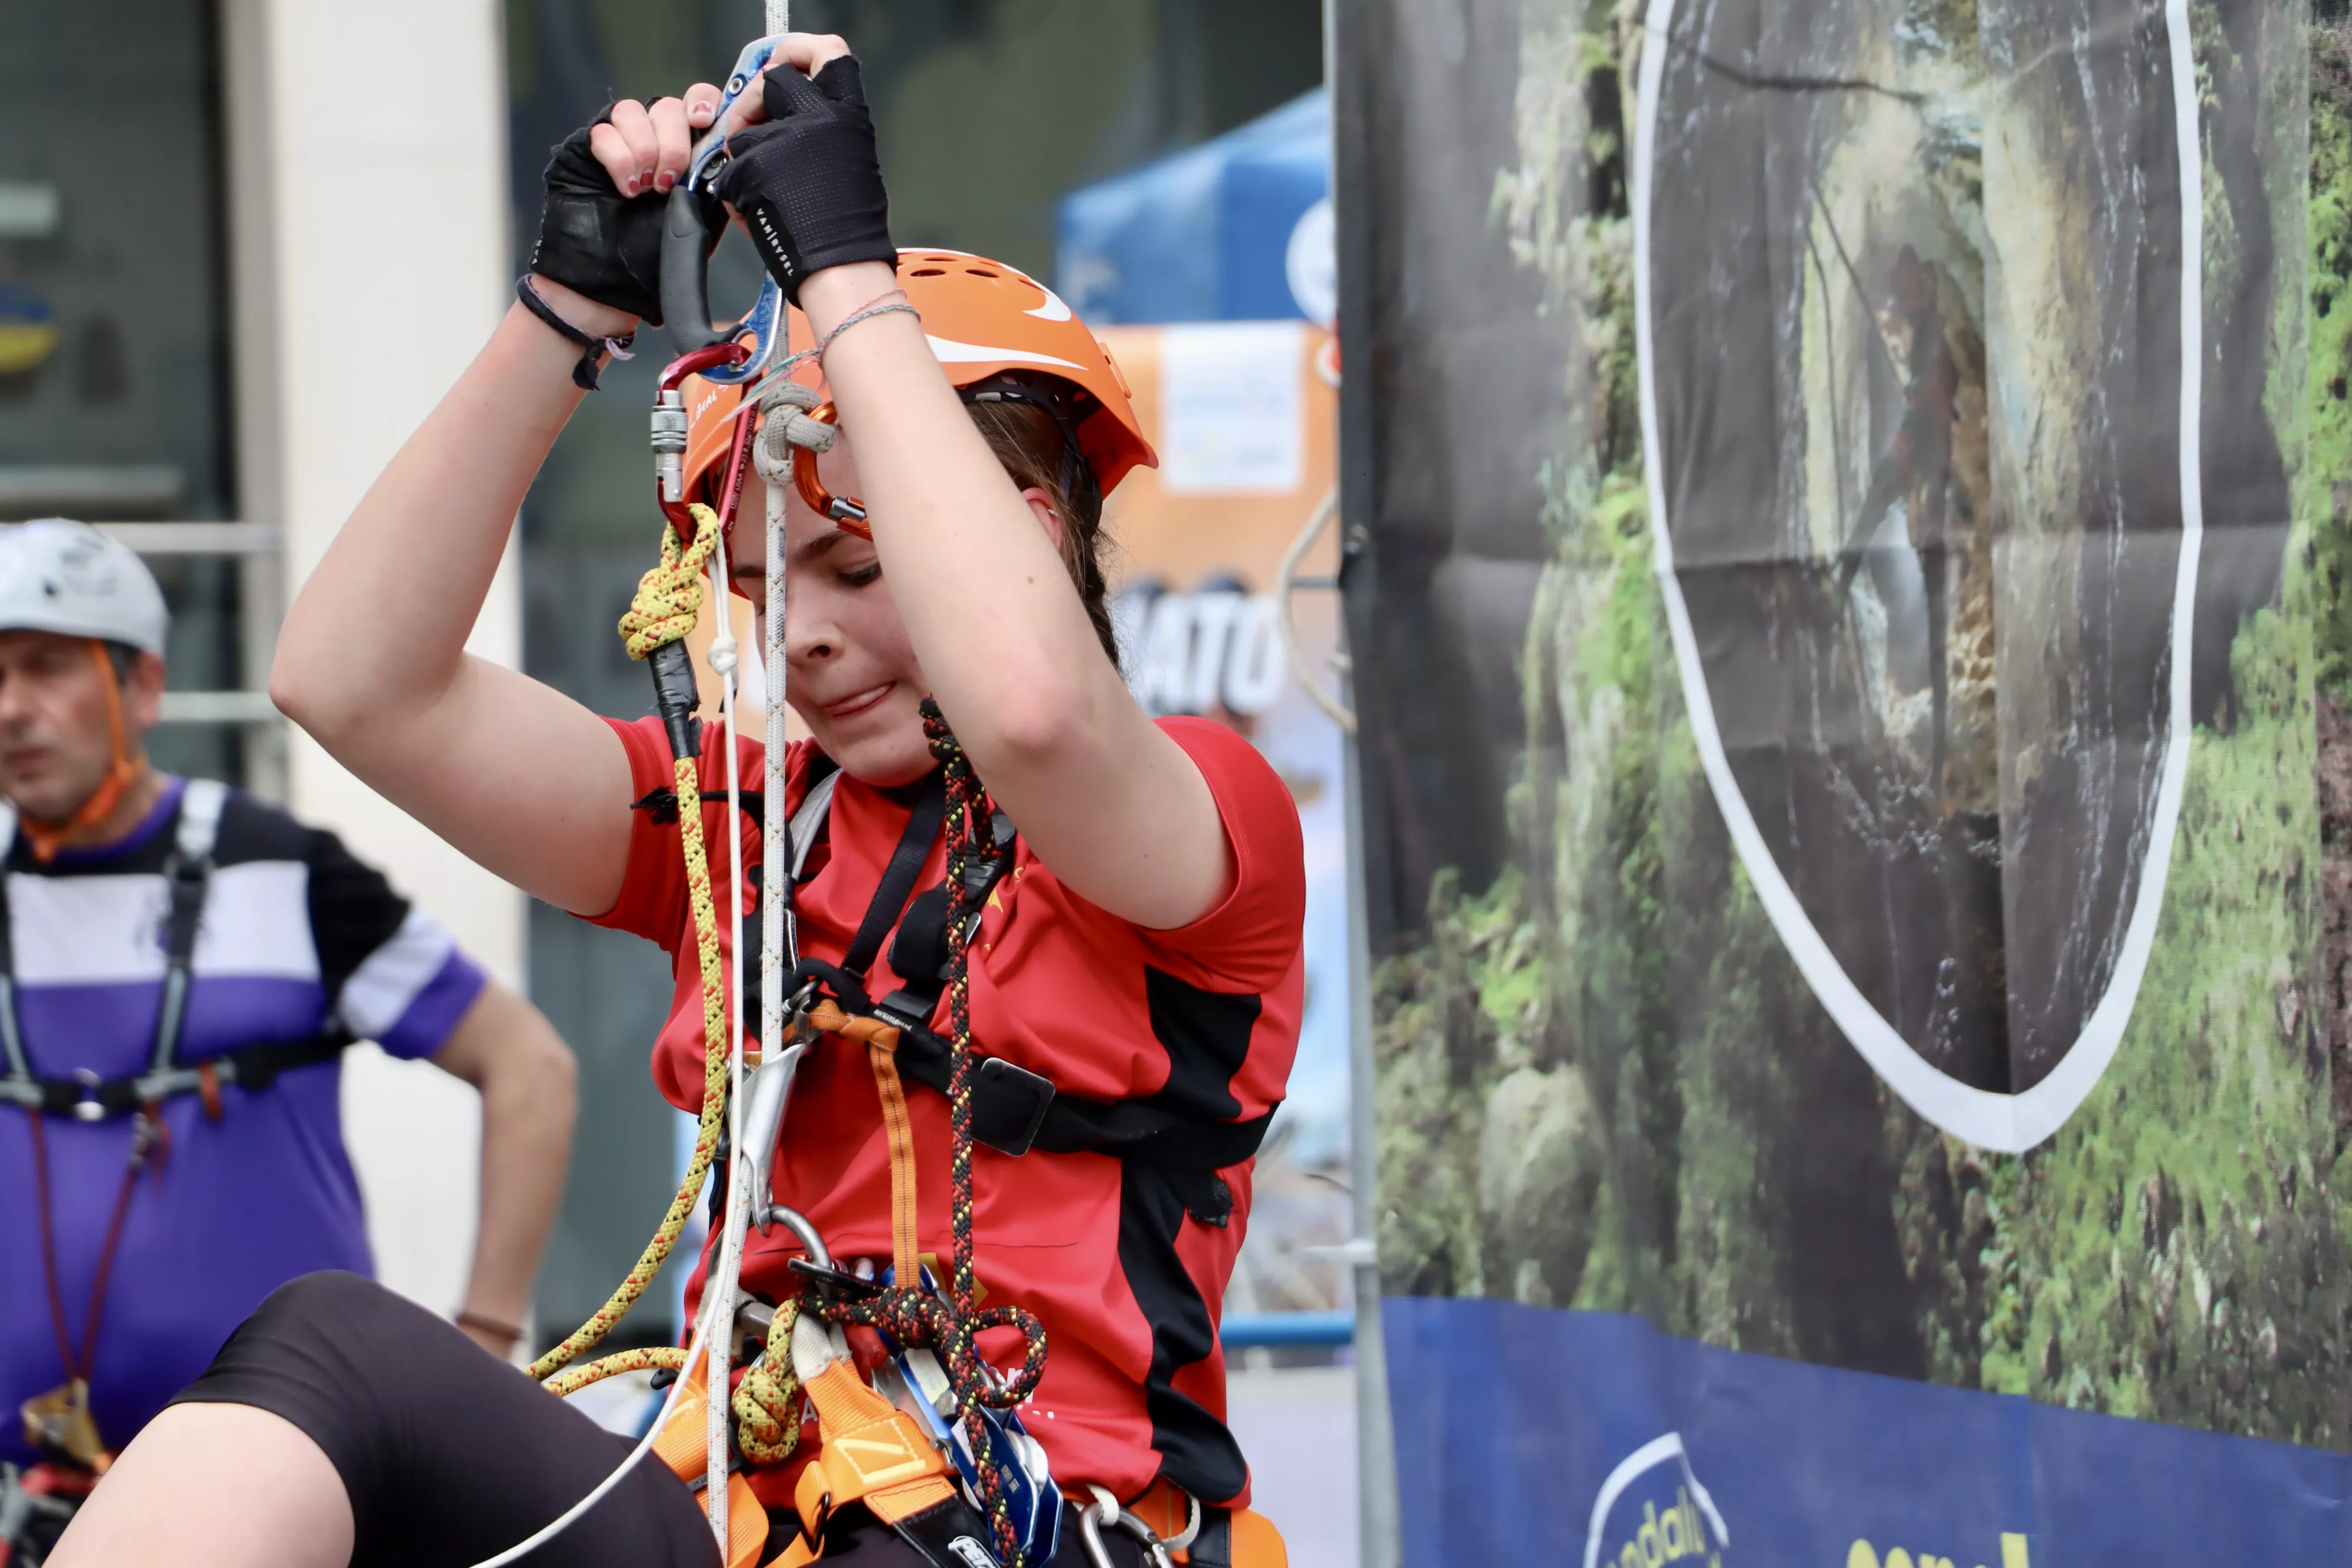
{"x": 719, "y": 1352}
{"x": 772, "y": 455}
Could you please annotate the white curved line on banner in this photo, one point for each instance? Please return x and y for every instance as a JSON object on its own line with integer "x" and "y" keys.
{"x": 2009, "y": 1123}
{"x": 1649, "y": 1456}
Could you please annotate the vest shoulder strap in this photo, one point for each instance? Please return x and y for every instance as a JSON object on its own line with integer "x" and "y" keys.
{"x": 187, "y": 879}
{"x": 12, "y": 1040}
{"x": 809, "y": 820}
{"x": 201, "y": 805}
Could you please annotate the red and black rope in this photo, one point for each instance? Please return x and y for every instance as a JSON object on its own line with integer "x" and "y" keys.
{"x": 907, "y": 1313}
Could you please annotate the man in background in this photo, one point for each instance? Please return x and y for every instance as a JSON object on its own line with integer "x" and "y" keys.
{"x": 180, "y": 967}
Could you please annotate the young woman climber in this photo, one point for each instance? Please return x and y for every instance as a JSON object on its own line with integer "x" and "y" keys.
{"x": 1131, "y": 989}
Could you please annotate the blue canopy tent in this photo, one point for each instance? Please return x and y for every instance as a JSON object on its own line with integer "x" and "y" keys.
{"x": 1238, "y": 229}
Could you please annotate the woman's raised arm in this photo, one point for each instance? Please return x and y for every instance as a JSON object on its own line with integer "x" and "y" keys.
{"x": 1103, "y": 796}
{"x": 372, "y": 658}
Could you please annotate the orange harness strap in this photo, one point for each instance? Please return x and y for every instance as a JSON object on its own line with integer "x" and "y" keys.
{"x": 906, "y": 1265}
{"x": 1255, "y": 1543}
{"x": 681, "y": 1446}
{"x": 880, "y": 1040}
{"x": 872, "y": 1453}
{"x": 868, "y": 1450}
{"x": 826, "y": 1018}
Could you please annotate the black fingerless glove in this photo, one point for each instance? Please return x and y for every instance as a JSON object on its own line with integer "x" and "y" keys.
{"x": 808, "y": 183}
{"x": 599, "y": 242}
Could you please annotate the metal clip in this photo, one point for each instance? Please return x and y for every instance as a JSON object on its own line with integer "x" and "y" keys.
{"x": 88, "y": 1109}
{"x": 1105, "y": 1510}
{"x": 797, "y": 1223}
{"x": 834, "y": 1281}
{"x": 146, "y": 1132}
{"x": 668, "y": 437}
{"x": 754, "y": 1320}
{"x": 766, "y": 1099}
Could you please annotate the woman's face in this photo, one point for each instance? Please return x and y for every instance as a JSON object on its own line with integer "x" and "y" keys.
{"x": 851, "y": 670}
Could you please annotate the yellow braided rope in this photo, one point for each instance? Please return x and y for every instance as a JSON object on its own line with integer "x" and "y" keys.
{"x": 668, "y": 601}
{"x": 768, "y": 1400}
{"x": 669, "y": 595}
{"x": 572, "y": 1380}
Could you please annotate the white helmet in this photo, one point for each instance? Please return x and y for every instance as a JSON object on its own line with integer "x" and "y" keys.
{"x": 58, "y": 575}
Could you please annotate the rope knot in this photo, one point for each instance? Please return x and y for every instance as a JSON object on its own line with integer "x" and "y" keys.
{"x": 669, "y": 595}
{"x": 784, "y": 423}
{"x": 768, "y": 1401}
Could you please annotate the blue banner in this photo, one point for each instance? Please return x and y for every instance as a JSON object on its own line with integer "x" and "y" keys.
{"x": 1589, "y": 1438}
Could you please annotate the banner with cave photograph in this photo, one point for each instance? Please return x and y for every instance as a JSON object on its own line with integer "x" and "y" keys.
{"x": 1852, "y": 640}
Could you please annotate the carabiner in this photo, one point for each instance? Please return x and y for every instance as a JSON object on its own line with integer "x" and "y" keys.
{"x": 685, "y": 278}
{"x": 1105, "y": 1510}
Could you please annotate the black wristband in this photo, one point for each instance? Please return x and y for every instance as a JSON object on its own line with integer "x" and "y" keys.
{"x": 584, "y": 373}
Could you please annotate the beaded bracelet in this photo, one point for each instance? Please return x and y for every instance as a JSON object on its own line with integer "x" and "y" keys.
{"x": 873, "y": 308}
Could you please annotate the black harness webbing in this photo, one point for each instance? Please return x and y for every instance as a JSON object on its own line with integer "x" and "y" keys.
{"x": 187, "y": 875}
{"x": 1013, "y": 1110}
{"x": 897, "y": 883}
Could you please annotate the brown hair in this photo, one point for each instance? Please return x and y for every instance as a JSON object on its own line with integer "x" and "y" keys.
{"x": 1029, "y": 444}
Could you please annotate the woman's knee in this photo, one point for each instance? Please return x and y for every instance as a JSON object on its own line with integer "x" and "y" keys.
{"x": 343, "y": 1310}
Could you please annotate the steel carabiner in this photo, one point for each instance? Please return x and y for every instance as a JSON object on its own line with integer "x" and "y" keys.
{"x": 686, "y": 236}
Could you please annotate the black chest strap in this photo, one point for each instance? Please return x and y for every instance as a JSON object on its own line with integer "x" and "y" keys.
{"x": 897, "y": 883}
{"x": 1013, "y": 1110}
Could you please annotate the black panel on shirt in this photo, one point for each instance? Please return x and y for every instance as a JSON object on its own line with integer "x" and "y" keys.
{"x": 1207, "y": 1036}
{"x": 1196, "y": 1452}
{"x": 352, "y": 909}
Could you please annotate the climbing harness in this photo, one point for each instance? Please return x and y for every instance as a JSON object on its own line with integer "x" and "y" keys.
{"x": 906, "y": 1313}
{"x": 1015, "y": 1110}
{"x": 87, "y": 1098}
{"x": 61, "y": 1420}
{"x": 1167, "y": 1522}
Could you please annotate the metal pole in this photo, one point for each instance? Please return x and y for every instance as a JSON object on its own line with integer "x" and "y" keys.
{"x": 1378, "y": 1541}
{"x": 1376, "y": 1471}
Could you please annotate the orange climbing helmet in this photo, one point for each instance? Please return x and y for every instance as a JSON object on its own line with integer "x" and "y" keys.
{"x": 994, "y": 328}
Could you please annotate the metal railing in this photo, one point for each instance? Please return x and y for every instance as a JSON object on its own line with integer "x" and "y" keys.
{"x": 1285, "y": 1331}
{"x": 176, "y": 539}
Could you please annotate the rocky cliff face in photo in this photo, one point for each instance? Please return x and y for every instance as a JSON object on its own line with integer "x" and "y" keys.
{"x": 1916, "y": 305}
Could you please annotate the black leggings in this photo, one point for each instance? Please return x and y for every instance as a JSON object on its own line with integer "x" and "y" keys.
{"x": 449, "y": 1456}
